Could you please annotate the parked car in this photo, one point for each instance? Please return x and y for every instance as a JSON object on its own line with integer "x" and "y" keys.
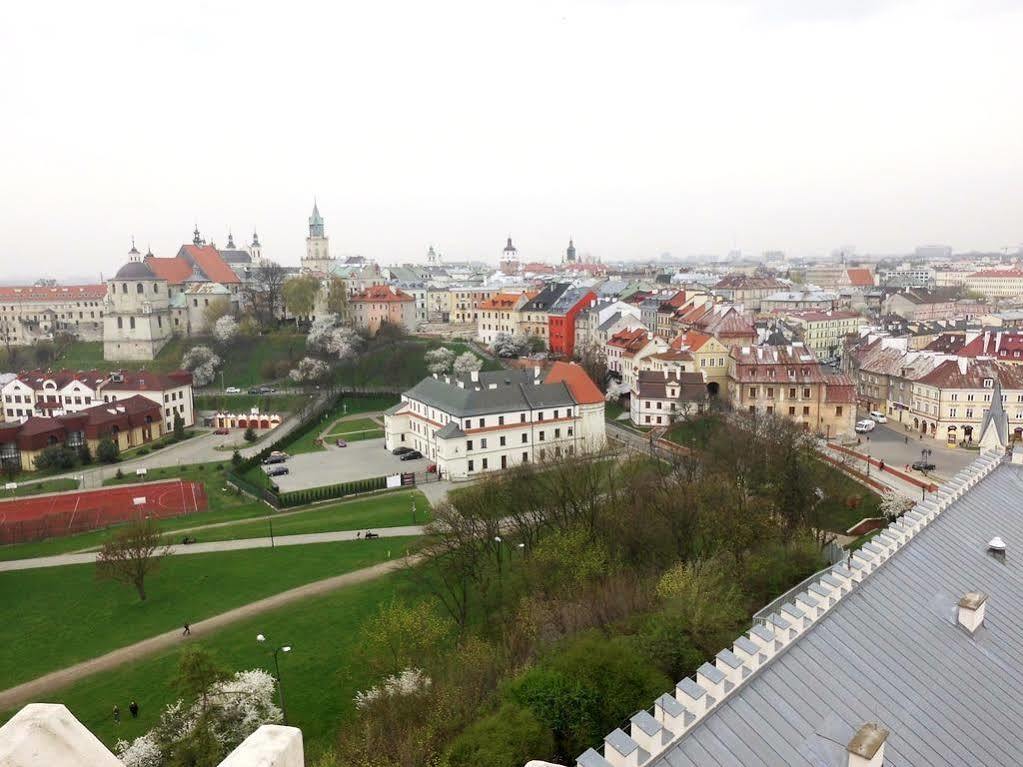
{"x": 279, "y": 454}
{"x": 222, "y": 430}
{"x": 401, "y": 450}
{"x": 862, "y": 427}
{"x": 923, "y": 466}
{"x": 232, "y": 390}
{"x": 411, "y": 455}
{"x": 255, "y": 390}
{"x": 431, "y": 469}
{"x": 276, "y": 471}
{"x": 341, "y": 443}
{"x": 272, "y": 459}
{"x": 878, "y": 417}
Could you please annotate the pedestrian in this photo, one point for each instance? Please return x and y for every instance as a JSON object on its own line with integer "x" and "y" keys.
{"x": 133, "y": 707}
{"x": 907, "y": 439}
{"x": 358, "y": 535}
{"x": 881, "y": 466}
{"x": 187, "y": 631}
{"x": 117, "y": 714}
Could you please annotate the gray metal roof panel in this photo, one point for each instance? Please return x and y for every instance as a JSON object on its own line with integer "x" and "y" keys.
{"x": 713, "y": 673}
{"x": 671, "y": 705}
{"x": 947, "y": 698}
{"x": 645, "y": 722}
{"x": 747, "y": 645}
{"x": 621, "y": 742}
{"x": 691, "y": 688}
{"x": 591, "y": 758}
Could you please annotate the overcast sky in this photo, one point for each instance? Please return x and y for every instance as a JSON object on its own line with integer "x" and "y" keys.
{"x": 635, "y": 127}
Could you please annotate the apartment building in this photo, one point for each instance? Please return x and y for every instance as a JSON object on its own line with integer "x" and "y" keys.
{"x": 31, "y": 313}
{"x": 378, "y": 304}
{"x": 489, "y": 421}
{"x": 561, "y": 320}
{"x": 625, "y": 351}
{"x": 38, "y": 393}
{"x": 661, "y": 397}
{"x": 534, "y": 314}
{"x": 500, "y": 314}
{"x": 825, "y": 333}
{"x": 789, "y": 381}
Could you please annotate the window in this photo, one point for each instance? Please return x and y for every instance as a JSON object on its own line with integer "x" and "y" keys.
{"x": 468, "y": 445}
{"x": 131, "y": 321}
{"x": 806, "y": 392}
{"x": 792, "y": 411}
{"x": 753, "y": 391}
{"x": 502, "y": 442}
{"x": 483, "y": 444}
{"x": 557, "y": 432}
{"x": 540, "y": 416}
{"x": 483, "y": 422}
{"x": 770, "y": 409}
{"x": 470, "y": 466}
{"x": 468, "y": 423}
{"x": 139, "y": 288}
{"x": 542, "y": 435}
{"x": 556, "y": 414}
{"x": 522, "y": 417}
{"x": 484, "y": 463}
{"x": 120, "y": 323}
{"x": 838, "y": 410}
{"x": 525, "y": 438}
{"x": 792, "y": 393}
{"x": 500, "y": 420}
{"x": 806, "y": 410}
{"x": 570, "y": 431}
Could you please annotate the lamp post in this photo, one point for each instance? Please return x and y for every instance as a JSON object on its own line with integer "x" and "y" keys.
{"x": 277, "y": 669}
{"x": 270, "y": 522}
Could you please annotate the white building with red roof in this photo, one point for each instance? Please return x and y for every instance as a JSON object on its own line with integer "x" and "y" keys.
{"x": 35, "y": 312}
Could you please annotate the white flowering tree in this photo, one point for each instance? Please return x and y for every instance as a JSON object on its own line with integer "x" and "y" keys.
{"x": 309, "y": 370}
{"x": 894, "y": 504}
{"x": 203, "y": 364}
{"x": 225, "y": 330}
{"x": 507, "y": 345}
{"x": 328, "y": 336}
{"x": 467, "y": 363}
{"x": 440, "y": 360}
{"x": 233, "y": 709}
{"x": 408, "y": 682}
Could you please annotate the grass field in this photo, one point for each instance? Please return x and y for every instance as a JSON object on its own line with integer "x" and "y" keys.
{"x": 351, "y": 405}
{"x": 235, "y": 403}
{"x": 35, "y": 488}
{"x": 852, "y": 502}
{"x": 320, "y": 676}
{"x": 64, "y": 615}
{"x": 391, "y": 509}
{"x": 400, "y": 364}
{"x": 356, "y": 424}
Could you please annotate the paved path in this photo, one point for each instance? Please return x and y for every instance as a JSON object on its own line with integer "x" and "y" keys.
{"x": 84, "y": 558}
{"x": 43, "y": 686}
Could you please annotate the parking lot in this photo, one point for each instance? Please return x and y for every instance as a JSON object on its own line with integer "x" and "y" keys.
{"x": 360, "y": 460}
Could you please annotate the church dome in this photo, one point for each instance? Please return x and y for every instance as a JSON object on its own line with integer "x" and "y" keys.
{"x": 135, "y": 270}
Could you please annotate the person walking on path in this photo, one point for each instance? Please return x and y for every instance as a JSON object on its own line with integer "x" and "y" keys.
{"x": 881, "y": 465}
{"x": 117, "y": 714}
{"x": 133, "y": 707}
{"x": 187, "y": 631}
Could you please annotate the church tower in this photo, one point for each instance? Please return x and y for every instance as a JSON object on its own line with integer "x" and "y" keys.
{"x": 255, "y": 249}
{"x": 509, "y": 263}
{"x": 317, "y": 245}
{"x": 570, "y": 253}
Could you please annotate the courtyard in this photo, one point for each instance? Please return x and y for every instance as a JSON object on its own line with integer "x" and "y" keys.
{"x": 333, "y": 465}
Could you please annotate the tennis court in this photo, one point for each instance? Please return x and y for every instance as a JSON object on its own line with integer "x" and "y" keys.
{"x": 38, "y": 517}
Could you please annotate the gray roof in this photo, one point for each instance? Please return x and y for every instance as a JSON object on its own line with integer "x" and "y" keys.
{"x": 513, "y": 390}
{"x": 568, "y": 299}
{"x": 892, "y": 653}
{"x": 543, "y": 300}
{"x": 236, "y": 256}
{"x": 135, "y": 270}
{"x": 450, "y": 430}
{"x": 610, "y": 321}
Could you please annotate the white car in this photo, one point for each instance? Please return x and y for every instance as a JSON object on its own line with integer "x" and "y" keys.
{"x": 862, "y": 427}
{"x": 878, "y": 417}
{"x": 232, "y": 390}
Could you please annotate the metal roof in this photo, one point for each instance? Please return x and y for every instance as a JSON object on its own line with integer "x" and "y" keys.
{"x": 891, "y": 652}
{"x": 512, "y": 390}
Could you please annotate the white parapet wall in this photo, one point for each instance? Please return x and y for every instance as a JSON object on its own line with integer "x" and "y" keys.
{"x": 48, "y": 735}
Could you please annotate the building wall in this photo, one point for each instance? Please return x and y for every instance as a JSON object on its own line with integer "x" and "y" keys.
{"x": 804, "y": 403}
{"x": 23, "y": 322}
{"x": 137, "y": 320}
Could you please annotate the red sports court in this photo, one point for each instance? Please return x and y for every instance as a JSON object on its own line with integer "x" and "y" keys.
{"x": 28, "y": 519}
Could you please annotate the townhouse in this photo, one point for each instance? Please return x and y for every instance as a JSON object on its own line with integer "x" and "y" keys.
{"x": 561, "y": 320}
{"x": 825, "y": 333}
{"x": 661, "y": 397}
{"x": 789, "y": 381}
{"x": 533, "y": 315}
{"x": 489, "y": 421}
{"x": 500, "y": 314}
{"x": 625, "y": 351}
{"x": 378, "y": 304}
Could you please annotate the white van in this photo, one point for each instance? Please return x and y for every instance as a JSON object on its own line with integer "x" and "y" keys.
{"x": 862, "y": 427}
{"x": 878, "y": 417}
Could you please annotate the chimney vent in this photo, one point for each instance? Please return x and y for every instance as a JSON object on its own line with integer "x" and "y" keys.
{"x": 866, "y": 749}
{"x": 971, "y": 610}
{"x": 996, "y": 544}
{"x": 474, "y": 376}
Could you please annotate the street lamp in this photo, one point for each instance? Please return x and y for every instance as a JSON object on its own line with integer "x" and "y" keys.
{"x": 277, "y": 668}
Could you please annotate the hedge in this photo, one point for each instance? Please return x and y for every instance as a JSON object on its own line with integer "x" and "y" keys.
{"x": 328, "y": 492}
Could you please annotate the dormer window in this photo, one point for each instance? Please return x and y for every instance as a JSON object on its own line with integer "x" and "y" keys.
{"x": 989, "y": 383}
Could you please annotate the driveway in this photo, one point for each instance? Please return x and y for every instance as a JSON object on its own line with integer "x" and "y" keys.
{"x": 888, "y": 443}
{"x": 360, "y": 460}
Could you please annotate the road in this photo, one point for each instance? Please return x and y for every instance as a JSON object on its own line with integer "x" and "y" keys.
{"x": 888, "y": 442}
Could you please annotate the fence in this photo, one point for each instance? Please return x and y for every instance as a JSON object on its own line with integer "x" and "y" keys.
{"x": 329, "y": 492}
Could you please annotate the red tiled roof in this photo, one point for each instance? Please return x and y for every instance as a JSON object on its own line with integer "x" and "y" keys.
{"x": 1017, "y": 273}
{"x": 626, "y": 339}
{"x": 860, "y": 278}
{"x": 381, "y": 293}
{"x": 692, "y": 340}
{"x": 174, "y": 270}
{"x": 505, "y": 300}
{"x": 575, "y": 378}
{"x": 950, "y": 375}
{"x": 212, "y": 264}
{"x": 56, "y": 293}
{"x": 147, "y": 381}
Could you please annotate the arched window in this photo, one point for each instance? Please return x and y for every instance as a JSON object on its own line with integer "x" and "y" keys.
{"x": 124, "y": 287}
{"x": 139, "y": 287}
{"x": 156, "y": 287}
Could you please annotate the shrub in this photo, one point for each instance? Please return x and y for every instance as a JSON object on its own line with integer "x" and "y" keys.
{"x": 250, "y": 435}
{"x": 107, "y": 450}
{"x": 119, "y": 474}
{"x": 508, "y": 738}
{"x": 55, "y": 457}
{"x": 143, "y": 451}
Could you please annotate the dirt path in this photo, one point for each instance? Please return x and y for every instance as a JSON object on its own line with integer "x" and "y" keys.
{"x": 42, "y": 687}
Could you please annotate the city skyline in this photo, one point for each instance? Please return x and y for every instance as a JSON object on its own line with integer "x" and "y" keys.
{"x": 637, "y": 129}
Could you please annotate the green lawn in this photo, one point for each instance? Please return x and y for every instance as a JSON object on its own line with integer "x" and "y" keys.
{"x": 356, "y": 424}
{"x": 392, "y": 509}
{"x": 88, "y": 355}
{"x": 35, "y": 488}
{"x": 848, "y": 503}
{"x": 612, "y": 410}
{"x": 356, "y": 436}
{"x": 237, "y": 403}
{"x": 64, "y": 615}
{"x": 320, "y": 676}
{"x": 694, "y": 432}
{"x": 307, "y": 442}
{"x": 399, "y": 364}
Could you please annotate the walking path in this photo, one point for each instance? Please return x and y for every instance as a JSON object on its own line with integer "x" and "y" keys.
{"x": 84, "y": 558}
{"x": 45, "y": 685}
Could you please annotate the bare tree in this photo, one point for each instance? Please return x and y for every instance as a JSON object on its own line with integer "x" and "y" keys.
{"x": 264, "y": 293}
{"x": 133, "y": 553}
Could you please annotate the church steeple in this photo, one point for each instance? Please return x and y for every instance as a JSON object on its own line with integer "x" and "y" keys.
{"x": 133, "y": 254}
{"x": 315, "y": 222}
{"x": 255, "y": 240}
{"x": 994, "y": 429}
{"x": 196, "y": 237}
{"x": 570, "y": 252}
{"x": 230, "y": 240}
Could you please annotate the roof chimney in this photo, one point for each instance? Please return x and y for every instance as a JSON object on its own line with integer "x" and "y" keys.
{"x": 474, "y": 376}
{"x": 536, "y": 371}
{"x": 971, "y": 610}
{"x": 866, "y": 749}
